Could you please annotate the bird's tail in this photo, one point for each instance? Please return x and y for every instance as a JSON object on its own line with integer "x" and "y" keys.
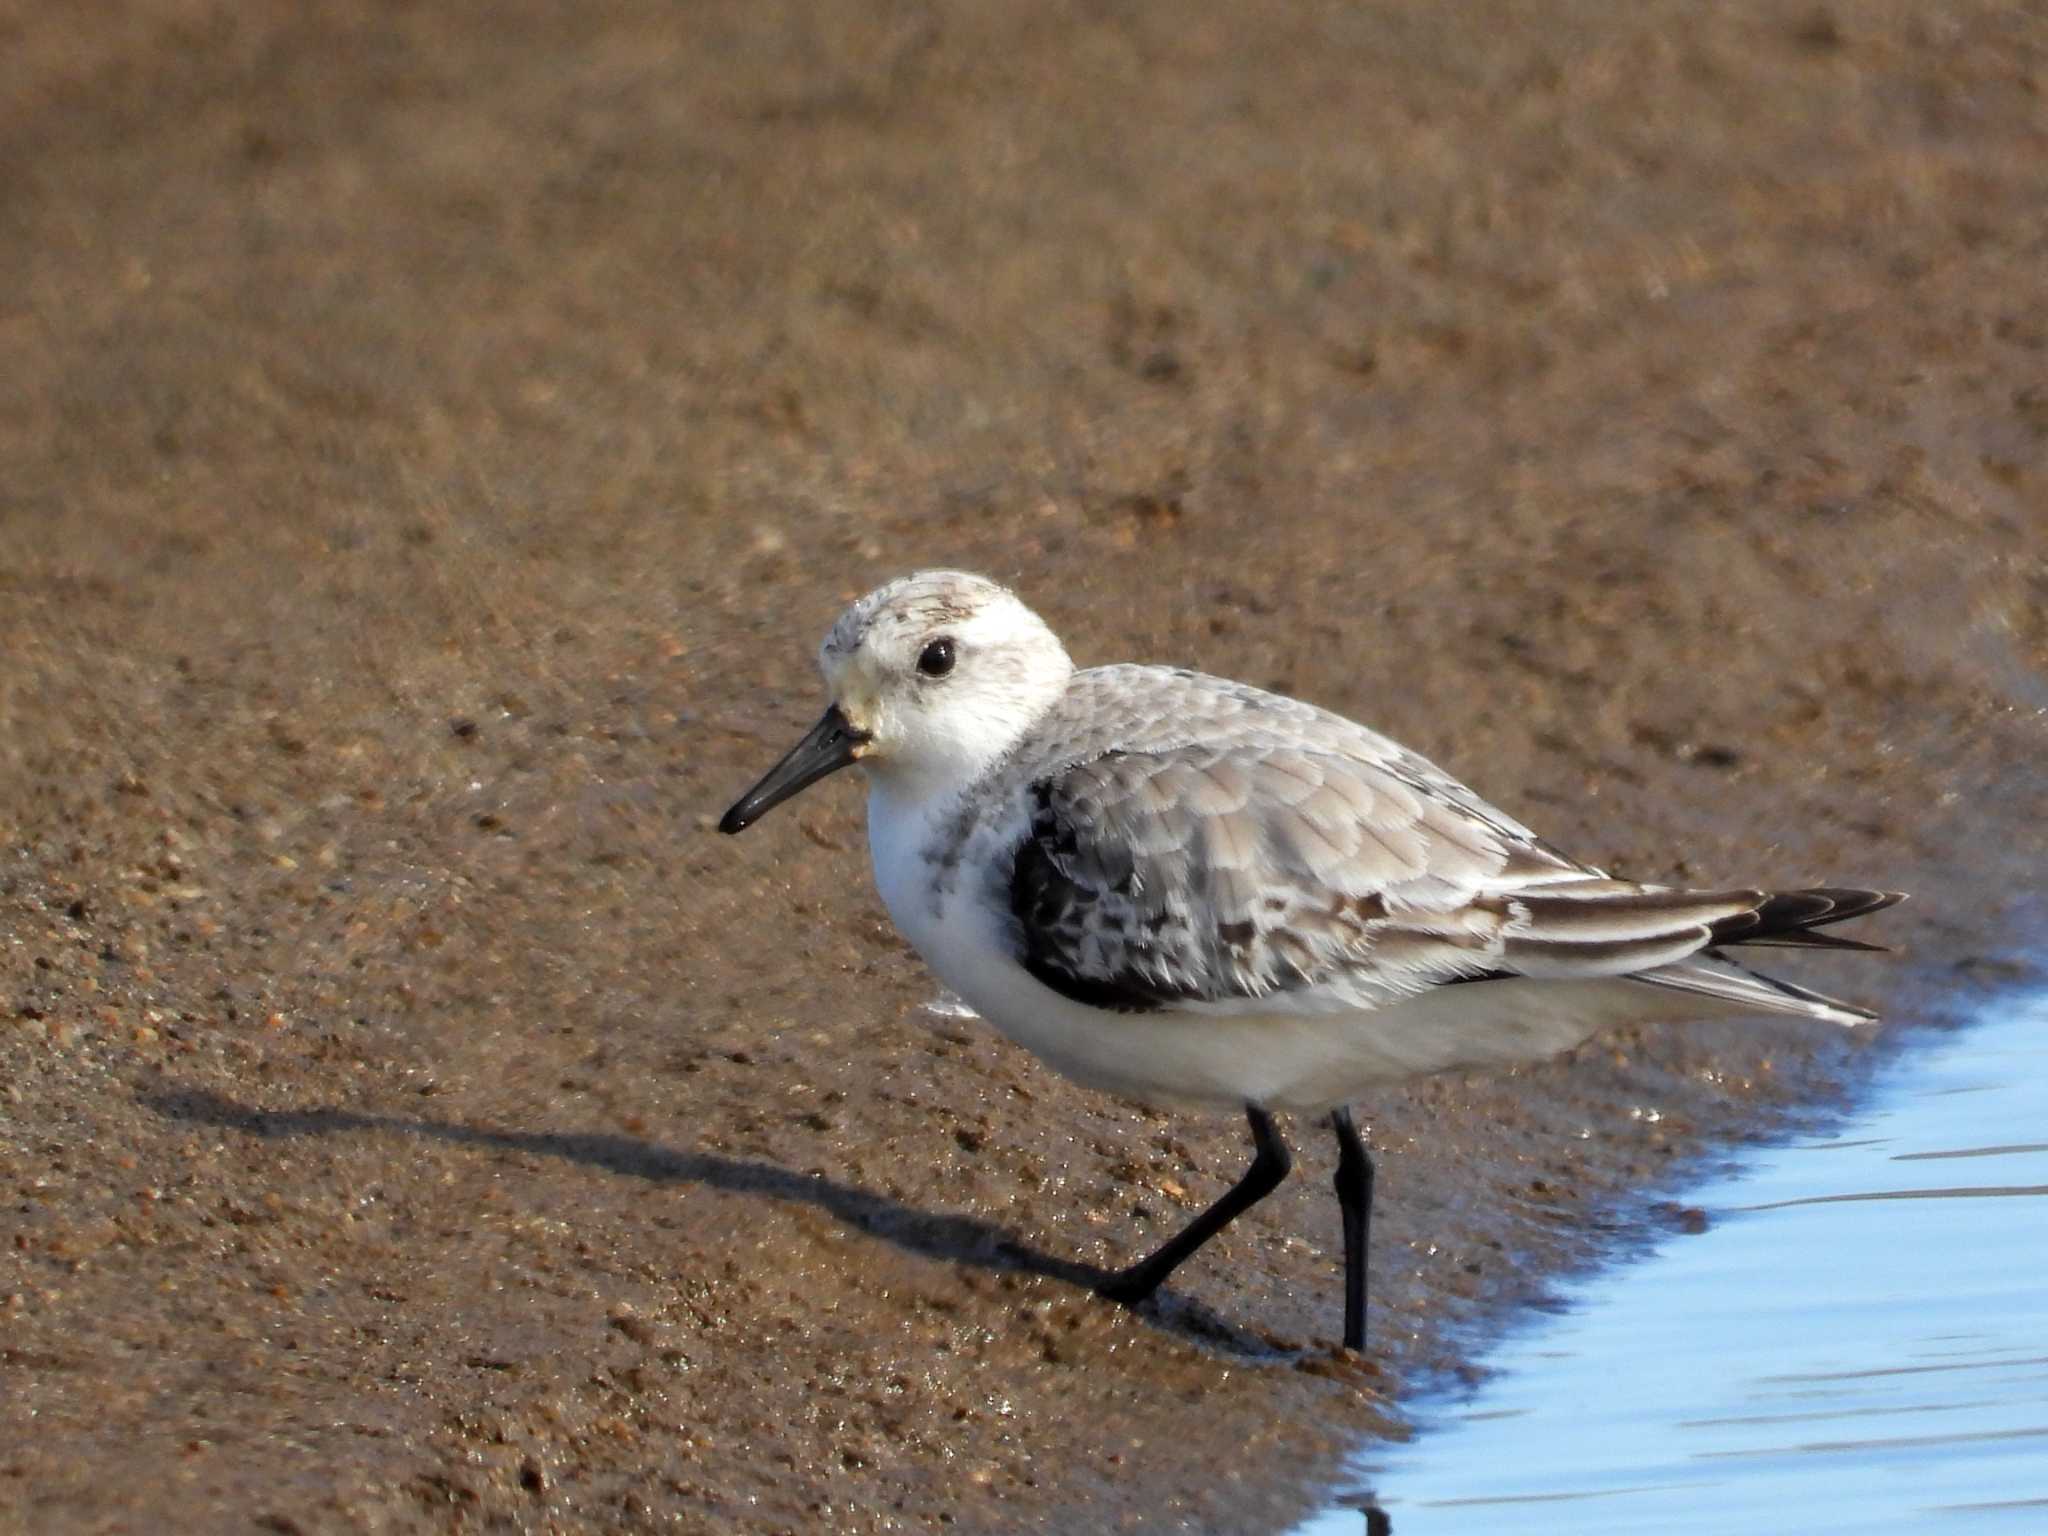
{"x": 1785, "y": 919}
{"x": 1715, "y": 976}
{"x": 1792, "y": 919}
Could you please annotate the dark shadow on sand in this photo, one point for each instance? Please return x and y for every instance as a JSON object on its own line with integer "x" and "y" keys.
{"x": 947, "y": 1238}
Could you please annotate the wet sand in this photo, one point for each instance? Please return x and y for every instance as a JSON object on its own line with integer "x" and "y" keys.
{"x": 434, "y": 439}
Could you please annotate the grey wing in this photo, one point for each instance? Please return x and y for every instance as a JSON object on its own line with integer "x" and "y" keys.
{"x": 1202, "y": 875}
{"x": 1220, "y": 875}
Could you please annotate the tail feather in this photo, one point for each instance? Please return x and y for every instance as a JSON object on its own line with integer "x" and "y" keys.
{"x": 1790, "y": 916}
{"x": 1676, "y": 939}
{"x": 1782, "y": 920}
{"x": 1747, "y": 991}
{"x": 1808, "y": 939}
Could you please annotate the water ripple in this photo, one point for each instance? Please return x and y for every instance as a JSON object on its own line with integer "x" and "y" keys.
{"x": 1836, "y": 1294}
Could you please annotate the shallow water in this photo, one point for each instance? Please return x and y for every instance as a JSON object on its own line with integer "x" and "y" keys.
{"x": 1858, "y": 1342}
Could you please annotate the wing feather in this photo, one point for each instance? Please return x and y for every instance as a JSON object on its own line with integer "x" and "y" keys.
{"x": 1194, "y": 876}
{"x": 1309, "y": 856}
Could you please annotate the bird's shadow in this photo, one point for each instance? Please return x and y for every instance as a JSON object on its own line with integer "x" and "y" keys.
{"x": 948, "y": 1238}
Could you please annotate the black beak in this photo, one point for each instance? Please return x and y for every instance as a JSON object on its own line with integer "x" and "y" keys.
{"x": 827, "y": 747}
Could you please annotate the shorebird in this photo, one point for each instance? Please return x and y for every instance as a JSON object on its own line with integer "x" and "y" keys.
{"x": 1191, "y": 891}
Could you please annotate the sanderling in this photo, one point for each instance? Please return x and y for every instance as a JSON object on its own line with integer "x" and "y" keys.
{"x": 1189, "y": 890}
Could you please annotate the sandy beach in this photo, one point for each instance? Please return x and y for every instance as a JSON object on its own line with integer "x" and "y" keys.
{"x": 434, "y": 440}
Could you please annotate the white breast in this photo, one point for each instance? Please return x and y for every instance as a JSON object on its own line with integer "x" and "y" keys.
{"x": 1291, "y": 1055}
{"x": 963, "y": 938}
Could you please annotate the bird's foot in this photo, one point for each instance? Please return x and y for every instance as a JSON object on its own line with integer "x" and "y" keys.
{"x": 1128, "y": 1287}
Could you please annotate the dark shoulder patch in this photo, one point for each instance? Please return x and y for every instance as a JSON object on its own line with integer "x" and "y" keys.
{"x": 1052, "y": 912}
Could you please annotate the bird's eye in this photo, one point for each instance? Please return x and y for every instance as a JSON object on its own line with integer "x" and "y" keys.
{"x": 936, "y": 659}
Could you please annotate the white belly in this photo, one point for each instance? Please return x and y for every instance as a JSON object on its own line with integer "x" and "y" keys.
{"x": 1277, "y": 1057}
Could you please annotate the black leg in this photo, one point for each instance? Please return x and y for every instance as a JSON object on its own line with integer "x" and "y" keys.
{"x": 1268, "y": 1168}
{"x": 1354, "y": 1196}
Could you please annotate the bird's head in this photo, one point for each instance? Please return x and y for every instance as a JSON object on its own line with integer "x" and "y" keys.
{"x": 932, "y": 678}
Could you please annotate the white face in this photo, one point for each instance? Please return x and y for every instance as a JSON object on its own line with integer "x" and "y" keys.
{"x": 942, "y": 672}
{"x": 933, "y": 677}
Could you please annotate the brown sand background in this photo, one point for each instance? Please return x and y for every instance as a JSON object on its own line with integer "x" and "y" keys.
{"x": 433, "y": 436}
